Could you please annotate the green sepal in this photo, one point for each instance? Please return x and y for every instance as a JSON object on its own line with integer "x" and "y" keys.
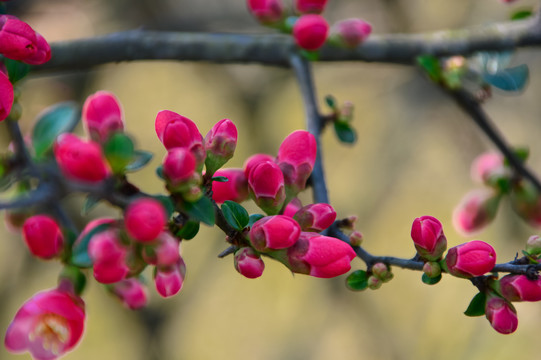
{"x": 235, "y": 215}
{"x": 75, "y": 276}
{"x": 521, "y": 14}
{"x": 140, "y": 159}
{"x": 477, "y": 305}
{"x": 79, "y": 256}
{"x": 188, "y": 230}
{"x": 254, "y": 218}
{"x": 220, "y": 179}
{"x": 16, "y": 70}
{"x": 55, "y": 120}
{"x": 345, "y": 133}
{"x": 431, "y": 65}
{"x": 89, "y": 203}
{"x": 201, "y": 210}
{"x": 167, "y": 203}
{"x": 119, "y": 152}
{"x": 357, "y": 280}
{"x": 430, "y": 280}
{"x": 532, "y": 259}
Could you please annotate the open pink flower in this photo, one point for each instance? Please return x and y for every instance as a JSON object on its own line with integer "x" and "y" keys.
{"x": 102, "y": 115}
{"x": 47, "y": 325}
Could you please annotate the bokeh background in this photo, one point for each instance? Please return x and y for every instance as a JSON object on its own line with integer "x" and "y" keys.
{"x": 412, "y": 158}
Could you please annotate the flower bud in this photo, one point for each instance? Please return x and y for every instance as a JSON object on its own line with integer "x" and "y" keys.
{"x": 169, "y": 279}
{"x": 374, "y": 282}
{"x": 254, "y": 160}
{"x": 6, "y": 96}
{"x": 43, "y": 236}
{"x": 266, "y": 11}
{"x": 109, "y": 257}
{"x": 131, "y": 292}
{"x": 42, "y": 54}
{"x": 80, "y": 160}
{"x": 220, "y": 144}
{"x": 310, "y": 31}
{"x": 179, "y": 166}
{"x": 274, "y": 232}
{"x": 266, "y": 185}
{"x": 350, "y": 32}
{"x": 526, "y": 202}
{"x": 476, "y": 211}
{"x": 487, "y": 167}
{"x": 533, "y": 245}
{"x": 310, "y": 6}
{"x": 235, "y": 189}
{"x": 473, "y": 258}
{"x": 292, "y": 207}
{"x": 520, "y": 288}
{"x": 428, "y": 237}
{"x": 17, "y": 39}
{"x": 296, "y": 158}
{"x": 432, "y": 269}
{"x": 355, "y": 238}
{"x": 102, "y": 116}
{"x": 248, "y": 263}
{"x": 501, "y": 314}
{"x": 315, "y": 217}
{"x": 164, "y": 252}
{"x": 145, "y": 219}
{"x": 380, "y": 271}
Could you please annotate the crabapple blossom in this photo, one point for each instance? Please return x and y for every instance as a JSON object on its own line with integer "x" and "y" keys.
{"x": 131, "y": 292}
{"x": 473, "y": 258}
{"x": 266, "y": 185}
{"x": 18, "y": 40}
{"x": 102, "y": 115}
{"x": 266, "y": 11}
{"x": 220, "y": 144}
{"x": 519, "y": 288}
{"x": 501, "y": 314}
{"x": 274, "y": 232}
{"x": 145, "y": 219}
{"x": 249, "y": 263}
{"x": 315, "y": 217}
{"x": 43, "y": 236}
{"x": 428, "y": 237}
{"x": 350, "y": 32}
{"x": 235, "y": 189}
{"x": 169, "y": 279}
{"x": 476, "y": 211}
{"x": 310, "y": 31}
{"x": 310, "y": 6}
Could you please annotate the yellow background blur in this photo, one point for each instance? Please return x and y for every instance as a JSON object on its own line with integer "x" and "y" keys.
{"x": 412, "y": 158}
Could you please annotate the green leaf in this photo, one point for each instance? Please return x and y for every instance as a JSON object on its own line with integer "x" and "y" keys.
{"x": 220, "y": 179}
{"x": 140, "y": 159}
{"x": 159, "y": 172}
{"x": 254, "y": 218}
{"x": 331, "y": 102}
{"x": 521, "y": 14}
{"x": 431, "y": 65}
{"x": 16, "y": 69}
{"x": 310, "y": 55}
{"x": 55, "y": 120}
{"x": 235, "y": 215}
{"x": 357, "y": 280}
{"x": 89, "y": 203}
{"x": 79, "y": 256}
{"x": 510, "y": 79}
{"x": 75, "y": 276}
{"x": 119, "y": 152}
{"x": 477, "y": 305}
{"x": 201, "y": 210}
{"x": 188, "y": 230}
{"x": 431, "y": 280}
{"x": 167, "y": 203}
{"x": 345, "y": 133}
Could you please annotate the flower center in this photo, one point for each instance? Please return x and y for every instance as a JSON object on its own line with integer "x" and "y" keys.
{"x": 53, "y": 330}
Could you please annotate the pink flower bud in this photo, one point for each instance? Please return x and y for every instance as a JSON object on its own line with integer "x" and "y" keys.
{"x": 164, "y": 252}
{"x": 248, "y": 263}
{"x": 131, "y": 292}
{"x": 292, "y": 207}
{"x": 350, "y": 32}
{"x": 356, "y": 238}
{"x": 169, "y": 280}
{"x": 520, "y": 288}
{"x": 310, "y": 31}
{"x": 473, "y": 258}
{"x": 310, "y": 6}
{"x": 487, "y": 167}
{"x": 179, "y": 166}
{"x": 526, "y": 202}
{"x": 501, "y": 314}
{"x": 175, "y": 130}
{"x": 17, "y": 39}
{"x": 109, "y": 257}
{"x": 80, "y": 160}
{"x": 43, "y": 236}
{"x": 296, "y": 158}
{"x": 432, "y": 269}
{"x": 266, "y": 11}
{"x": 6, "y": 96}
{"x": 533, "y": 245}
{"x": 42, "y": 54}
{"x": 235, "y": 189}
{"x": 145, "y": 219}
{"x": 220, "y": 144}
{"x": 428, "y": 237}
{"x": 102, "y": 115}
{"x": 274, "y": 232}
{"x": 476, "y": 211}
{"x": 266, "y": 185}
{"x": 315, "y": 217}
{"x": 320, "y": 256}
{"x": 47, "y": 325}
{"x": 254, "y": 160}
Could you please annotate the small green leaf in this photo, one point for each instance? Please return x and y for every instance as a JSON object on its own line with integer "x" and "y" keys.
{"x": 75, "y": 276}
{"x": 16, "y": 69}
{"x": 55, "y": 120}
{"x": 201, "y": 210}
{"x": 310, "y": 55}
{"x": 254, "y": 218}
{"x": 331, "y": 102}
{"x": 235, "y": 215}
{"x": 345, "y": 133}
{"x": 188, "y": 230}
{"x": 119, "y": 152}
{"x": 357, "y": 280}
{"x": 477, "y": 305}
{"x": 510, "y": 79}
{"x": 79, "y": 256}
{"x": 140, "y": 159}
{"x": 89, "y": 203}
{"x": 167, "y": 203}
{"x": 431, "y": 280}
{"x": 431, "y": 65}
{"x": 159, "y": 172}
{"x": 220, "y": 179}
{"x": 521, "y": 14}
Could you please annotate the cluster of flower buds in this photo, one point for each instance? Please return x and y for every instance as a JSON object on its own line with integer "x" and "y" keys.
{"x": 309, "y": 29}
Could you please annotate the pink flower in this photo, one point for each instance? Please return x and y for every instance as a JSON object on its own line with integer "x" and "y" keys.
{"x": 131, "y": 292}
{"x": 274, "y": 232}
{"x": 350, "y": 32}
{"x": 6, "y": 96}
{"x": 220, "y": 144}
{"x": 501, "y": 314}
{"x": 476, "y": 211}
{"x": 235, "y": 189}
{"x": 109, "y": 257}
{"x": 315, "y": 217}
{"x": 254, "y": 160}
{"x": 47, "y": 325}
{"x": 17, "y": 39}
{"x": 179, "y": 165}
{"x": 145, "y": 219}
{"x": 296, "y": 158}
{"x": 169, "y": 279}
{"x": 43, "y": 236}
{"x": 248, "y": 263}
{"x": 487, "y": 167}
{"x": 102, "y": 115}
{"x": 42, "y": 54}
{"x": 266, "y": 185}
{"x": 520, "y": 288}
{"x": 320, "y": 256}
{"x": 164, "y": 252}
{"x": 473, "y": 258}
{"x": 266, "y": 11}
{"x": 310, "y": 31}
{"x": 292, "y": 207}
{"x": 428, "y": 237}
{"x": 80, "y": 160}
{"x": 310, "y": 6}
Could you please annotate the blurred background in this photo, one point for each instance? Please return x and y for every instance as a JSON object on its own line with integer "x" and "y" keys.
{"x": 412, "y": 158}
